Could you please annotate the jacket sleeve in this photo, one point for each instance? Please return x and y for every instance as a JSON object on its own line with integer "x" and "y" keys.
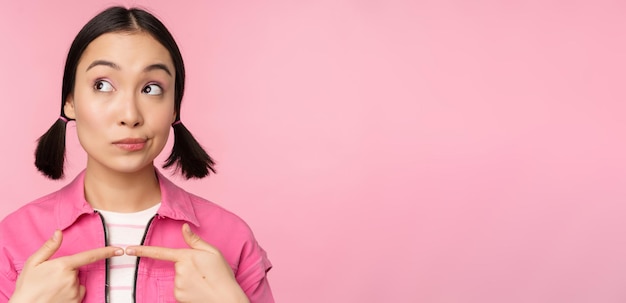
{"x": 8, "y": 273}
{"x": 7, "y": 284}
{"x": 260, "y": 292}
{"x": 252, "y": 273}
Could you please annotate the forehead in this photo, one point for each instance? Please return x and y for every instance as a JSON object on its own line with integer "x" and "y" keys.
{"x": 127, "y": 49}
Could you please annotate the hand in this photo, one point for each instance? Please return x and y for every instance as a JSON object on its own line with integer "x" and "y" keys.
{"x": 202, "y": 273}
{"x": 44, "y": 280}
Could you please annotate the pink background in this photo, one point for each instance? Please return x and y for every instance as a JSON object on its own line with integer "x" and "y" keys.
{"x": 382, "y": 151}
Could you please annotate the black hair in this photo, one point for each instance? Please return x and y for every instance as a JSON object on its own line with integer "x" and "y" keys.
{"x": 187, "y": 155}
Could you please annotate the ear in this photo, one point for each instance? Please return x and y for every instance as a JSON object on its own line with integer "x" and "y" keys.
{"x": 173, "y": 117}
{"x": 68, "y": 108}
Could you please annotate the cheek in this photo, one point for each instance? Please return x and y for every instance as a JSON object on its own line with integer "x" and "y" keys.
{"x": 164, "y": 125}
{"x": 159, "y": 118}
{"x": 90, "y": 118}
{"x": 163, "y": 114}
{"x": 89, "y": 131}
{"x": 84, "y": 107}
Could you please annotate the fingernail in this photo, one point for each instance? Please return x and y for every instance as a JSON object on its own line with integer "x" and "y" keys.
{"x": 119, "y": 252}
{"x": 55, "y": 236}
{"x": 186, "y": 228}
{"x": 130, "y": 251}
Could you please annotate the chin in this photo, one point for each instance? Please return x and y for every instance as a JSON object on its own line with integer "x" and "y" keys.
{"x": 136, "y": 169}
{"x": 130, "y": 168}
{"x": 127, "y": 164}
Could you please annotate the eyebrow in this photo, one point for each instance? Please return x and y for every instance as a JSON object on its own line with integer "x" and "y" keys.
{"x": 103, "y": 62}
{"x": 112, "y": 65}
{"x": 157, "y": 66}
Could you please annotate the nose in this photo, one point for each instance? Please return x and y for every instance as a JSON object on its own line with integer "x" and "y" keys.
{"x": 130, "y": 112}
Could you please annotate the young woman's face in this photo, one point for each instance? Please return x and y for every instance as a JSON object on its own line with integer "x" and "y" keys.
{"x": 123, "y": 101}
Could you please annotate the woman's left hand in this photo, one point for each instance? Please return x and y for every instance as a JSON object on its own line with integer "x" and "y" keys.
{"x": 202, "y": 273}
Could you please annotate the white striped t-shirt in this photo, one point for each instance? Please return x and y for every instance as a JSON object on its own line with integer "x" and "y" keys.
{"x": 124, "y": 229}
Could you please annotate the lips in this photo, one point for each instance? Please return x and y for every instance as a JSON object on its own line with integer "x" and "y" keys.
{"x": 131, "y": 144}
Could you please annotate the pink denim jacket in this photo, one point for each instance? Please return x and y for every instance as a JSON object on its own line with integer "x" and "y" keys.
{"x": 25, "y": 230}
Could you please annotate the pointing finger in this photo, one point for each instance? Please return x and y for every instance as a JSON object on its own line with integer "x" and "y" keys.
{"x": 154, "y": 252}
{"x": 82, "y": 291}
{"x": 47, "y": 249}
{"x": 194, "y": 241}
{"x": 90, "y": 256}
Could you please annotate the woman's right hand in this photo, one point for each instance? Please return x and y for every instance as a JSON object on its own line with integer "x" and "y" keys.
{"x": 56, "y": 280}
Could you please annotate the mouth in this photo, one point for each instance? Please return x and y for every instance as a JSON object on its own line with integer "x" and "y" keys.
{"x": 131, "y": 144}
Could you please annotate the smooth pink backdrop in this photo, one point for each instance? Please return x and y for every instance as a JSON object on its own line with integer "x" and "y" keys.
{"x": 382, "y": 151}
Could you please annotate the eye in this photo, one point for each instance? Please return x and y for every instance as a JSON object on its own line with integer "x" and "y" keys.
{"x": 103, "y": 86}
{"x": 152, "y": 89}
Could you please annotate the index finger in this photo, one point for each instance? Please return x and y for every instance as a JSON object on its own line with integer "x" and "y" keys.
{"x": 155, "y": 252}
{"x": 90, "y": 256}
{"x": 47, "y": 249}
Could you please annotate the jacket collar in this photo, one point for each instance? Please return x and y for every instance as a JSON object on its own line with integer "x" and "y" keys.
{"x": 71, "y": 203}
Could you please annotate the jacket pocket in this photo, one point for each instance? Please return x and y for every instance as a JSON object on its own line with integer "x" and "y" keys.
{"x": 165, "y": 289}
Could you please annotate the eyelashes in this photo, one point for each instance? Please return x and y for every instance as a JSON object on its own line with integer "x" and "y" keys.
{"x": 103, "y": 86}
{"x": 152, "y": 89}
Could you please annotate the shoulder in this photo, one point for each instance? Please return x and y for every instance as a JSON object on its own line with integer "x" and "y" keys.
{"x": 179, "y": 204}
{"x": 53, "y": 211}
{"x": 33, "y": 212}
{"x": 206, "y": 211}
{"x": 24, "y": 230}
{"x": 209, "y": 220}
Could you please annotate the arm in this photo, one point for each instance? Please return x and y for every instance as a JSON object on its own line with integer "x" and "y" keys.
{"x": 252, "y": 273}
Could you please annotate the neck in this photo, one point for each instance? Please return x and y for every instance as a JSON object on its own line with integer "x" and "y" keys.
{"x": 122, "y": 192}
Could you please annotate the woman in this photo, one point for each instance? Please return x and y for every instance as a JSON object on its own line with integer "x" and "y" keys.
{"x": 121, "y": 231}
